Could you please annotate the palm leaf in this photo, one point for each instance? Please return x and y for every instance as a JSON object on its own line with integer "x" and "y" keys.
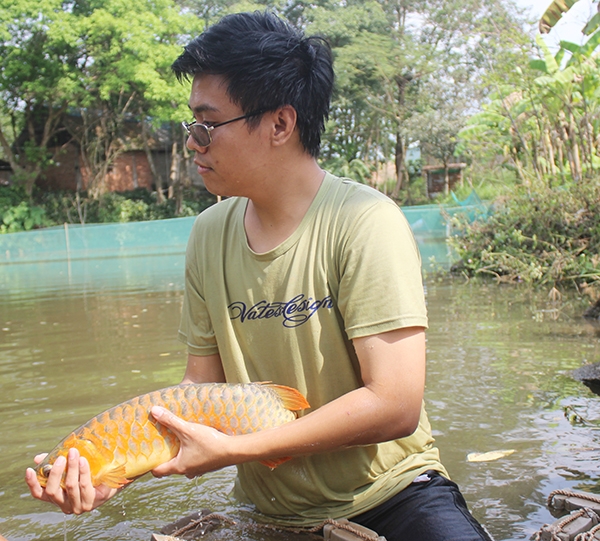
{"x": 592, "y": 24}
{"x": 554, "y": 13}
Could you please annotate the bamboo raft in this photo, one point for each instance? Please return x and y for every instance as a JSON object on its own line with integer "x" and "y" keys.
{"x": 197, "y": 524}
{"x": 578, "y": 519}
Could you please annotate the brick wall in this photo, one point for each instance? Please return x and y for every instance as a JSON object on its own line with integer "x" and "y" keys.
{"x": 130, "y": 170}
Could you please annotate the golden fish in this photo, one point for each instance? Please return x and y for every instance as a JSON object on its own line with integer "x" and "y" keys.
{"x": 125, "y": 442}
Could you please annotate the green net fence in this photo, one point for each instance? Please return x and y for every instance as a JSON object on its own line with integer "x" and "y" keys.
{"x": 162, "y": 237}
{"x": 71, "y": 241}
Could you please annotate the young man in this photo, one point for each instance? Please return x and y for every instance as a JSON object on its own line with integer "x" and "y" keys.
{"x": 306, "y": 280}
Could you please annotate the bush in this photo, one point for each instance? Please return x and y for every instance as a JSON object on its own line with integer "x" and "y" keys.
{"x": 546, "y": 237}
{"x": 23, "y": 217}
{"x": 18, "y": 214}
{"x": 130, "y": 206}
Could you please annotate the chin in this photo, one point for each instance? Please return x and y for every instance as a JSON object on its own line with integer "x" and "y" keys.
{"x": 216, "y": 189}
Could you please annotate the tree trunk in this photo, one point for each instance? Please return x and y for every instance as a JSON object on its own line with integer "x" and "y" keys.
{"x": 27, "y": 171}
{"x": 175, "y": 188}
{"x": 576, "y": 153}
{"x": 446, "y": 178}
{"x": 401, "y": 172}
{"x": 160, "y": 196}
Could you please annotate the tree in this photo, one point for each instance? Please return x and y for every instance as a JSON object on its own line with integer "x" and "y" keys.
{"x": 392, "y": 57}
{"x": 548, "y": 120}
{"x": 38, "y": 79}
{"x": 87, "y": 59}
{"x": 126, "y": 78}
{"x": 557, "y": 9}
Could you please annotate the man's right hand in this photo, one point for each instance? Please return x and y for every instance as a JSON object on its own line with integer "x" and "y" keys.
{"x": 79, "y": 495}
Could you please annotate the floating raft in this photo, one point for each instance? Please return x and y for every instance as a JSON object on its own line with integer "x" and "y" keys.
{"x": 197, "y": 524}
{"x": 580, "y": 520}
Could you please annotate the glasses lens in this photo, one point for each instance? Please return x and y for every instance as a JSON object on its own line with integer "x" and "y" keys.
{"x": 200, "y": 134}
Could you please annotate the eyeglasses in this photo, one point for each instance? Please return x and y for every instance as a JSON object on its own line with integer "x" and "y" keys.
{"x": 200, "y": 133}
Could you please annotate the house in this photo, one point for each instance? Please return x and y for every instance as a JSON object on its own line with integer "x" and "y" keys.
{"x": 132, "y": 168}
{"x": 438, "y": 182}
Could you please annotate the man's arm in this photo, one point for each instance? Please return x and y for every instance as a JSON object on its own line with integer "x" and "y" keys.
{"x": 80, "y": 495}
{"x": 386, "y": 407}
{"x": 204, "y": 369}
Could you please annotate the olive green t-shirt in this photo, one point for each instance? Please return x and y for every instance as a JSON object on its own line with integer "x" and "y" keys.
{"x": 350, "y": 269}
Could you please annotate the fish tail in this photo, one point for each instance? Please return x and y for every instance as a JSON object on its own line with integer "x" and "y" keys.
{"x": 274, "y": 462}
{"x": 292, "y": 399}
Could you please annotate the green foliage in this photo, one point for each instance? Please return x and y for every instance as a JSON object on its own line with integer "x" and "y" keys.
{"x": 548, "y": 236}
{"x": 354, "y": 169}
{"x": 400, "y": 83}
{"x": 545, "y": 123}
{"x": 136, "y": 206}
{"x": 91, "y": 59}
{"x": 18, "y": 214}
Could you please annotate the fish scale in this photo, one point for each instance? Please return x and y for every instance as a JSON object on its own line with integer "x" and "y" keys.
{"x": 125, "y": 441}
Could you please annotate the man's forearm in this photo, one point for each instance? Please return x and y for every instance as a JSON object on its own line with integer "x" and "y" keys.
{"x": 357, "y": 418}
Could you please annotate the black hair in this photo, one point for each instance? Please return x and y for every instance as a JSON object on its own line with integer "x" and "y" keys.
{"x": 267, "y": 64}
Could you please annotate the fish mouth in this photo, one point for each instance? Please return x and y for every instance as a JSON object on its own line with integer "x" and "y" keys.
{"x": 42, "y": 472}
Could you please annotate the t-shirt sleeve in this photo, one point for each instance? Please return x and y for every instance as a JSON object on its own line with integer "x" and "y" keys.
{"x": 195, "y": 328}
{"x": 381, "y": 286}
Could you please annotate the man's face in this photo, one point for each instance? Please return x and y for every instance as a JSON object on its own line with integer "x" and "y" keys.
{"x": 236, "y": 160}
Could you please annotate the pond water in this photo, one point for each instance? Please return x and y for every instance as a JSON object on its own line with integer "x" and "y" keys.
{"x": 78, "y": 337}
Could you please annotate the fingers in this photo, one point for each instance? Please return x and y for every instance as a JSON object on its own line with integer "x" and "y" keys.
{"x": 79, "y": 494}
{"x": 34, "y": 486}
{"x": 38, "y": 458}
{"x": 86, "y": 488}
{"x": 72, "y": 481}
{"x": 167, "y": 468}
{"x": 53, "y": 491}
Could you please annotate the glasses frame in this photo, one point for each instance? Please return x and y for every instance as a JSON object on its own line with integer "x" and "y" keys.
{"x": 205, "y": 130}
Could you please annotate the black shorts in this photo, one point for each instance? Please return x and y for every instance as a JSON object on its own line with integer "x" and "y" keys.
{"x": 430, "y": 509}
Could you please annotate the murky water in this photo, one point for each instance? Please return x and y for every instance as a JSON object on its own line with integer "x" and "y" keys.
{"x": 78, "y": 338}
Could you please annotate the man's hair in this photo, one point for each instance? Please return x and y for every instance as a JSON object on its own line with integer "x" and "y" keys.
{"x": 266, "y": 64}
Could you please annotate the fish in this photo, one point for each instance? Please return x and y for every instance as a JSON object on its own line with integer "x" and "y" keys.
{"x": 125, "y": 441}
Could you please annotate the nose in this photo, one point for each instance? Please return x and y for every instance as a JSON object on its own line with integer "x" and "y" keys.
{"x": 194, "y": 146}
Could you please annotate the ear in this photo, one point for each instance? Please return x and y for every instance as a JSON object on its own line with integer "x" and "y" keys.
{"x": 284, "y": 125}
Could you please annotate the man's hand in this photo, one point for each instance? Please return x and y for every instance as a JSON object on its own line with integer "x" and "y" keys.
{"x": 79, "y": 496}
{"x": 386, "y": 407}
{"x": 202, "y": 449}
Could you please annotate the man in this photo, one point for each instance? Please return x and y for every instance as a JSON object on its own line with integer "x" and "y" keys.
{"x": 306, "y": 280}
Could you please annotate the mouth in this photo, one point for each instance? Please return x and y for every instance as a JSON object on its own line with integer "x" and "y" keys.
{"x": 202, "y": 169}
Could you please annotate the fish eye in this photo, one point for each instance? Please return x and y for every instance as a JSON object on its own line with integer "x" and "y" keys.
{"x": 46, "y": 470}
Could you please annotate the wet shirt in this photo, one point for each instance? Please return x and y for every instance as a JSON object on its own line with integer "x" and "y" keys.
{"x": 350, "y": 269}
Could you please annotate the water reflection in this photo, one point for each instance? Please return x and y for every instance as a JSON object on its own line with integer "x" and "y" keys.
{"x": 73, "y": 343}
{"x": 499, "y": 378}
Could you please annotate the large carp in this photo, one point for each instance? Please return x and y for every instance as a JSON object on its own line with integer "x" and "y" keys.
{"x": 126, "y": 442}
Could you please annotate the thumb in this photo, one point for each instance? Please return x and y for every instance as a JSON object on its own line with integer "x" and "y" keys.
{"x": 168, "y": 419}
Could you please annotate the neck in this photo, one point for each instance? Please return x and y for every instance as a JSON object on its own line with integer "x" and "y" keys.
{"x": 278, "y": 206}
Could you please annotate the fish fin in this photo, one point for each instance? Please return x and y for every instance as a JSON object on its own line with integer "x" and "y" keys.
{"x": 115, "y": 478}
{"x": 292, "y": 398}
{"x": 274, "y": 462}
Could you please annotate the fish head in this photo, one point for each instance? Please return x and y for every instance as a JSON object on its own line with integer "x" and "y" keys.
{"x": 86, "y": 448}
{"x": 42, "y": 473}
{"x": 43, "y": 469}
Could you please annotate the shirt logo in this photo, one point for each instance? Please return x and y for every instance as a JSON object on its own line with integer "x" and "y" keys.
{"x": 294, "y": 312}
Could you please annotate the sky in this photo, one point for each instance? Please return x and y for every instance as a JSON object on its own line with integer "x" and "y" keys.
{"x": 569, "y": 27}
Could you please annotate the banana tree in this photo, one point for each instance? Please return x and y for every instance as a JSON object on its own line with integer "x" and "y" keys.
{"x": 557, "y": 9}
{"x": 548, "y": 123}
